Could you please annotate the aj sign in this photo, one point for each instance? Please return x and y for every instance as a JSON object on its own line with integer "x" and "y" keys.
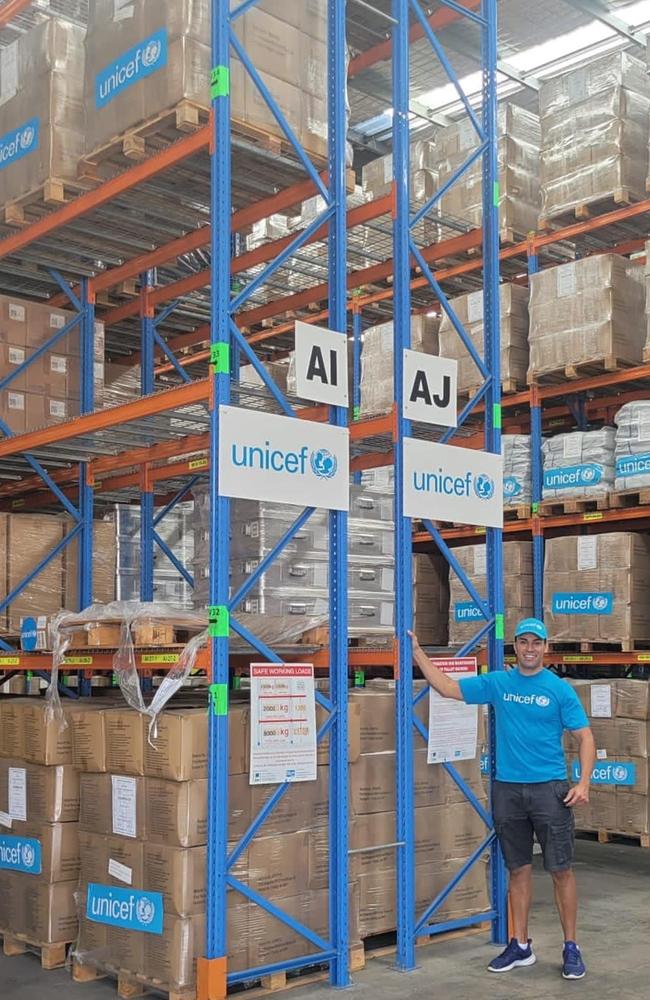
{"x": 430, "y": 389}
{"x": 263, "y": 456}
{"x": 446, "y": 483}
{"x": 321, "y": 365}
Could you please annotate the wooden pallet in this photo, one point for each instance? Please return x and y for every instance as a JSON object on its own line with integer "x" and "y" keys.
{"x": 378, "y": 946}
{"x": 582, "y": 369}
{"x": 588, "y": 209}
{"x": 629, "y": 498}
{"x": 587, "y": 646}
{"x": 509, "y": 387}
{"x": 52, "y": 956}
{"x": 607, "y": 837}
{"x": 517, "y": 512}
{"x": 582, "y": 505}
{"x": 130, "y": 986}
{"x": 53, "y": 193}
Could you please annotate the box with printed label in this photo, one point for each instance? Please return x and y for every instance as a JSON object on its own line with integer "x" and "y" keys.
{"x": 112, "y": 803}
{"x": 35, "y": 794}
{"x": 177, "y": 812}
{"x": 30, "y": 539}
{"x": 110, "y": 860}
{"x": 13, "y": 409}
{"x": 179, "y": 874}
{"x": 179, "y": 750}
{"x": 57, "y": 844}
{"x": 125, "y": 733}
{"x": 43, "y": 912}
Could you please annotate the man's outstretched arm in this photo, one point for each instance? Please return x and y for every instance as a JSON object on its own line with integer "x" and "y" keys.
{"x": 445, "y": 686}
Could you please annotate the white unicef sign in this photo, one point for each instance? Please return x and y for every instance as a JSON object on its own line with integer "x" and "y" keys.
{"x": 446, "y": 483}
{"x": 263, "y": 456}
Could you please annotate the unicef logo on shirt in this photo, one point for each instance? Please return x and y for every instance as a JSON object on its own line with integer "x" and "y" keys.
{"x": 619, "y": 773}
{"x": 484, "y": 487}
{"x": 542, "y": 701}
{"x": 323, "y": 463}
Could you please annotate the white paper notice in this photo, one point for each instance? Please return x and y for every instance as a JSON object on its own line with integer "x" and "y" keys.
{"x": 480, "y": 560}
{"x": 601, "y": 701}
{"x": 125, "y": 792}
{"x": 453, "y": 725}
{"x": 120, "y": 871}
{"x": 566, "y": 280}
{"x": 5, "y": 820}
{"x": 283, "y": 723}
{"x": 587, "y": 552}
{"x": 572, "y": 446}
{"x": 475, "y": 307}
{"x": 18, "y": 793}
{"x": 601, "y": 754}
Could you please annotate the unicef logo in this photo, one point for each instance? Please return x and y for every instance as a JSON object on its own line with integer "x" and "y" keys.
{"x": 145, "y": 911}
{"x": 511, "y": 487}
{"x": 27, "y": 136}
{"x": 484, "y": 487}
{"x": 619, "y": 773}
{"x": 600, "y": 603}
{"x": 28, "y": 855}
{"x": 542, "y": 700}
{"x": 588, "y": 473}
{"x": 151, "y": 54}
{"x": 323, "y": 463}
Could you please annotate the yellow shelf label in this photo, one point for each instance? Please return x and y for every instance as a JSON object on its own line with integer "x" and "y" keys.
{"x": 198, "y": 463}
{"x": 77, "y": 661}
{"x": 479, "y": 531}
{"x": 570, "y": 658}
{"x": 594, "y": 515}
{"x": 160, "y": 657}
{"x": 643, "y": 657}
{"x": 9, "y": 661}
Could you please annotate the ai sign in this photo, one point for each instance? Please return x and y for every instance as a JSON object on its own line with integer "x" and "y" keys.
{"x": 263, "y": 456}
{"x": 321, "y": 365}
{"x": 446, "y": 483}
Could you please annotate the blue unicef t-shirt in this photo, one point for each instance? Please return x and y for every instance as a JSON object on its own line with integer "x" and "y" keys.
{"x": 531, "y": 715}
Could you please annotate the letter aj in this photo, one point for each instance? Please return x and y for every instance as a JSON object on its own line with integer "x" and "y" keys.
{"x": 420, "y": 390}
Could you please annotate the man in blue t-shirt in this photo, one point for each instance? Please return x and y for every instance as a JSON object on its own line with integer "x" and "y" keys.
{"x": 531, "y": 794}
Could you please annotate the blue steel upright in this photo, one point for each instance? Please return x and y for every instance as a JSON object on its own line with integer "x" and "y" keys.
{"x": 537, "y": 479}
{"x": 410, "y": 925}
{"x": 147, "y": 383}
{"x": 338, "y": 520}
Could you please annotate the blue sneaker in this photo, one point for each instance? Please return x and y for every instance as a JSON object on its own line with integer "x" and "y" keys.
{"x": 512, "y": 956}
{"x": 572, "y": 965}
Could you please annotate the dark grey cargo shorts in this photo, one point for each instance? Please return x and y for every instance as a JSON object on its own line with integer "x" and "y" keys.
{"x": 520, "y": 811}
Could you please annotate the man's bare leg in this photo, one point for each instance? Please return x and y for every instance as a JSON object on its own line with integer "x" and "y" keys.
{"x": 521, "y": 896}
{"x": 566, "y": 900}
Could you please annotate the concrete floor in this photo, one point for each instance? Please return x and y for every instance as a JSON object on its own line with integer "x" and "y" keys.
{"x": 614, "y": 935}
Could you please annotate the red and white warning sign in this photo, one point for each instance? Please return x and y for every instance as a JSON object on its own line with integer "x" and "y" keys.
{"x": 283, "y": 723}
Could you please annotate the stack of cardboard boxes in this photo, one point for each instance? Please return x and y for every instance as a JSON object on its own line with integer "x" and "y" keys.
{"x": 377, "y": 389}
{"x": 619, "y": 716}
{"x": 39, "y": 829}
{"x": 514, "y": 336}
{"x": 25, "y": 540}
{"x": 447, "y": 828}
{"x": 47, "y": 392}
{"x": 465, "y": 616}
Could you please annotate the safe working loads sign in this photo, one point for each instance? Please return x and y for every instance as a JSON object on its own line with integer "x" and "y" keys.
{"x": 446, "y": 483}
{"x": 263, "y": 456}
{"x": 283, "y": 723}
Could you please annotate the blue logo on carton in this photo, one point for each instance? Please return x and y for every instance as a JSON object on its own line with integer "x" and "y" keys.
{"x": 512, "y": 487}
{"x": 582, "y": 604}
{"x": 130, "y": 909}
{"x": 28, "y": 634}
{"x": 570, "y": 476}
{"x": 468, "y": 611}
{"x": 633, "y": 465}
{"x": 20, "y": 854}
{"x": 136, "y": 64}
{"x": 19, "y": 142}
{"x": 611, "y": 772}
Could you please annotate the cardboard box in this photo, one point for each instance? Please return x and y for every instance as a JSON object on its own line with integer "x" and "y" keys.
{"x": 372, "y": 782}
{"x": 104, "y": 567}
{"x": 633, "y": 737}
{"x": 42, "y": 912}
{"x": 125, "y": 733}
{"x": 13, "y": 320}
{"x": 47, "y": 410}
{"x": 632, "y": 812}
{"x": 170, "y": 958}
{"x": 126, "y": 949}
{"x": 48, "y": 375}
{"x": 277, "y": 866}
{"x": 35, "y": 794}
{"x": 632, "y": 699}
{"x": 113, "y": 804}
{"x": 45, "y": 740}
{"x": 59, "y": 849}
{"x": 354, "y": 735}
{"x": 179, "y": 874}
{"x": 177, "y": 813}
{"x": 13, "y": 410}
{"x": 12, "y": 356}
{"x": 110, "y": 860}
{"x": 88, "y": 728}
{"x": 30, "y": 539}
{"x": 180, "y": 751}
{"x": 100, "y": 635}
{"x": 12, "y": 732}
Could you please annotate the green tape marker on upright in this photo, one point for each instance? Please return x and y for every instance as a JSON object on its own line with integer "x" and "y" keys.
{"x": 218, "y": 695}
{"x": 220, "y": 359}
{"x": 496, "y": 415}
{"x": 218, "y": 621}
{"x": 499, "y": 627}
{"x": 496, "y": 194}
{"x": 219, "y": 82}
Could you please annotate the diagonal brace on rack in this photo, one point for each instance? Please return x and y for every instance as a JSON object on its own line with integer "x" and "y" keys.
{"x": 449, "y": 888}
{"x": 267, "y": 379}
{"x": 259, "y": 571}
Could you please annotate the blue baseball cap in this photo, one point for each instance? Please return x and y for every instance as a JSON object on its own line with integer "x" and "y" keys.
{"x": 531, "y": 626}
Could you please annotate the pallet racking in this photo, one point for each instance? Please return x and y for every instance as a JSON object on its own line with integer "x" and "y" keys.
{"x": 125, "y": 453}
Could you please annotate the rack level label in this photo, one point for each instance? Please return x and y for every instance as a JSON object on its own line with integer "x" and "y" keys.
{"x": 19, "y": 142}
{"x": 577, "y": 658}
{"x": 198, "y": 463}
{"x": 9, "y": 661}
{"x": 77, "y": 661}
{"x": 132, "y": 66}
{"x": 160, "y": 657}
